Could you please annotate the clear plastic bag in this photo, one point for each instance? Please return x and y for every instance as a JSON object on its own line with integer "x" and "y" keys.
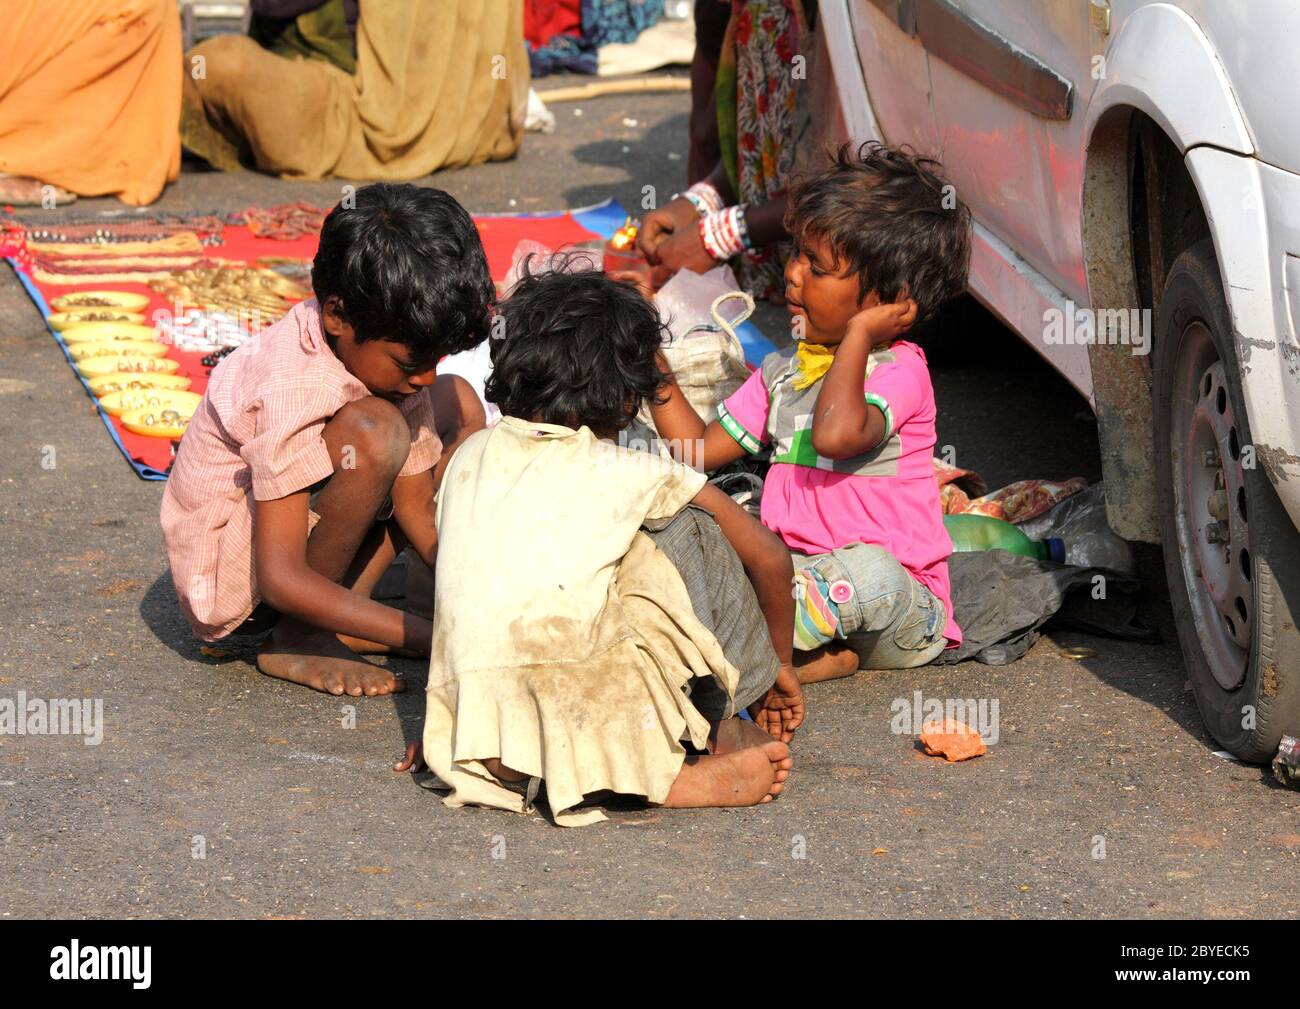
{"x": 702, "y": 312}
{"x": 1080, "y": 523}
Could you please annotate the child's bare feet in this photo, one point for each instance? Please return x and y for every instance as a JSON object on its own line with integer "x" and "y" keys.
{"x": 319, "y": 660}
{"x": 732, "y": 734}
{"x": 830, "y": 662}
{"x": 743, "y": 777}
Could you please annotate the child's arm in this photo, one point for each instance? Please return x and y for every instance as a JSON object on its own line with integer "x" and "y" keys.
{"x": 844, "y": 423}
{"x": 771, "y": 572}
{"x": 457, "y": 413}
{"x": 691, "y": 441}
{"x": 289, "y": 584}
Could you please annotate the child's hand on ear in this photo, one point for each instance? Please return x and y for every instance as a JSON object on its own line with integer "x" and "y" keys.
{"x": 884, "y": 321}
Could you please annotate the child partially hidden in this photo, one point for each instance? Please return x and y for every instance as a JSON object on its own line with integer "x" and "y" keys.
{"x": 849, "y": 414}
{"x": 597, "y": 608}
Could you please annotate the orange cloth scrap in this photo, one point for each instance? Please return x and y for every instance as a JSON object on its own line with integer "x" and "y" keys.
{"x": 90, "y": 95}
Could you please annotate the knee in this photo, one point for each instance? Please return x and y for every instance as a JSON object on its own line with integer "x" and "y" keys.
{"x": 224, "y": 58}
{"x": 370, "y": 434}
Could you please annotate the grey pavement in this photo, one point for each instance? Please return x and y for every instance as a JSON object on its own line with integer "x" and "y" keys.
{"x": 300, "y": 816}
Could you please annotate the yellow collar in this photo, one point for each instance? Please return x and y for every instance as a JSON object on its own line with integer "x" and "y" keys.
{"x": 814, "y": 361}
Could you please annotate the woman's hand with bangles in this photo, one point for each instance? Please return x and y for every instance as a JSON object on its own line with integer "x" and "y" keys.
{"x": 678, "y": 214}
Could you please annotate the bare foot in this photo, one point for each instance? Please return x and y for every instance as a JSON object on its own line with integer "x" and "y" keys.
{"x": 732, "y": 734}
{"x": 363, "y": 647}
{"x": 746, "y": 777}
{"x": 830, "y": 662}
{"x": 317, "y": 659}
{"x": 23, "y": 191}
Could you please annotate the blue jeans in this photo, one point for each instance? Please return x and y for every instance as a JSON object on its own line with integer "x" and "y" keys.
{"x": 892, "y": 621}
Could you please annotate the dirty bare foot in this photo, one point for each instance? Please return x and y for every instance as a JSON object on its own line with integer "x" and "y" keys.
{"x": 24, "y": 191}
{"x": 732, "y": 734}
{"x": 745, "y": 777}
{"x": 319, "y": 660}
{"x": 830, "y": 662}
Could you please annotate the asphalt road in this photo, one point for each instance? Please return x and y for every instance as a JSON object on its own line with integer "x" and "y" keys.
{"x": 295, "y": 814}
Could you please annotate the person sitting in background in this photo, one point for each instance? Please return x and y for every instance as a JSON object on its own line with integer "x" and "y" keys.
{"x": 313, "y": 29}
{"x": 89, "y": 100}
{"x": 437, "y": 83}
{"x": 736, "y": 211}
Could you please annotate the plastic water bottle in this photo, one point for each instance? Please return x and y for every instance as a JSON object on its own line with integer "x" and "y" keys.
{"x": 981, "y": 532}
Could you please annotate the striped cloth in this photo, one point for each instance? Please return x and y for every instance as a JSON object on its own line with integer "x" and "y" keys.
{"x": 724, "y": 602}
{"x": 816, "y": 615}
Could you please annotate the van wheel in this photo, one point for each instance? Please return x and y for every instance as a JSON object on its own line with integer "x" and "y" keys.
{"x": 1232, "y": 554}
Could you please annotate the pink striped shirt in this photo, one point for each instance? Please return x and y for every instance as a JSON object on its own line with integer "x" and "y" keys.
{"x": 257, "y": 436}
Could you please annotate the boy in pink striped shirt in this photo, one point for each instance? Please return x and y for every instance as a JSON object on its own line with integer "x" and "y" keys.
{"x": 317, "y": 451}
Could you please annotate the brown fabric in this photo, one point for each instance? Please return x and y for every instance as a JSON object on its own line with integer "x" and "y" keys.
{"x": 439, "y": 83}
{"x": 90, "y": 96}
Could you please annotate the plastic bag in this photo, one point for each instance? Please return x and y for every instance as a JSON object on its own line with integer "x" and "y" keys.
{"x": 701, "y": 312}
{"x": 1080, "y": 522}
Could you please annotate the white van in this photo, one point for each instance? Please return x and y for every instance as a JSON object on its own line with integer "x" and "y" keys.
{"x": 1134, "y": 171}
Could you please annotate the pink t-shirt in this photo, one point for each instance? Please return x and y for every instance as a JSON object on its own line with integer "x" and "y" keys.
{"x": 887, "y": 497}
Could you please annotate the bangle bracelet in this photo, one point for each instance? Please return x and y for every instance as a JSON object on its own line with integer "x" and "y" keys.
{"x": 724, "y": 233}
{"x": 742, "y": 227}
{"x": 703, "y": 197}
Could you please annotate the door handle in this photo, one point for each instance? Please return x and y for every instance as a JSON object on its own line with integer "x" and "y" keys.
{"x": 1099, "y": 15}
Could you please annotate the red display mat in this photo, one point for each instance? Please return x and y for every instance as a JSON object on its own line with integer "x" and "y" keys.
{"x": 151, "y": 457}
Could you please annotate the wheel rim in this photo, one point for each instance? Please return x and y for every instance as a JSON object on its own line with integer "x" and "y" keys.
{"x": 1212, "y": 510}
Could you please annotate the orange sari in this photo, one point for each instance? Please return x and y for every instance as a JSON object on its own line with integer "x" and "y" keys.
{"x": 90, "y": 95}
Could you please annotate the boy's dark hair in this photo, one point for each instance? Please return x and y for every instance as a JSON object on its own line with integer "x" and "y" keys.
{"x": 407, "y": 265}
{"x": 890, "y": 217}
{"x": 576, "y": 347}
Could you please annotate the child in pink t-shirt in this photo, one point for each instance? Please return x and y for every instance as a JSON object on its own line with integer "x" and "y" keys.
{"x": 849, "y": 414}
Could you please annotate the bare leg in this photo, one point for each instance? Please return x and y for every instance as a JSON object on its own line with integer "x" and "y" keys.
{"x": 499, "y": 771}
{"x": 377, "y": 553}
{"x": 753, "y": 773}
{"x": 830, "y": 662}
{"x": 372, "y": 438}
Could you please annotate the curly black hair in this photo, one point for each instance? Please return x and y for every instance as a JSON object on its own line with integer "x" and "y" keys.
{"x": 889, "y": 216}
{"x": 574, "y": 347}
{"x": 407, "y": 265}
